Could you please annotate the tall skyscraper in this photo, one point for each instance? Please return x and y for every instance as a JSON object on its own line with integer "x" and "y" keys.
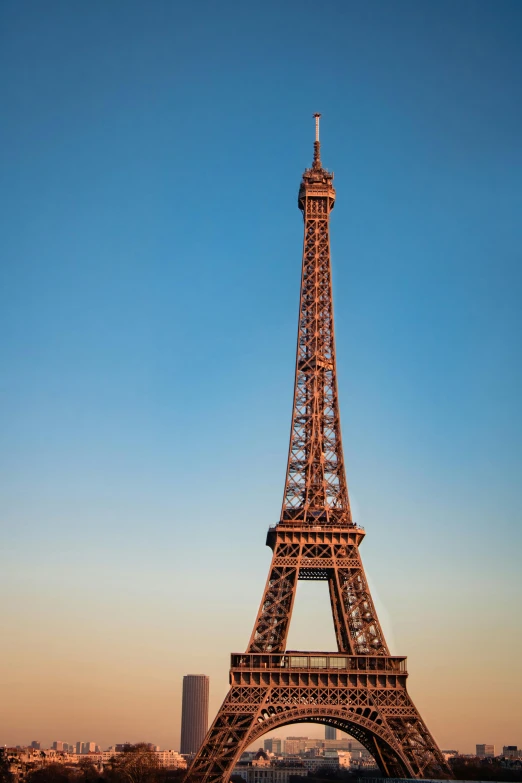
{"x": 485, "y": 751}
{"x": 330, "y": 732}
{"x": 194, "y": 712}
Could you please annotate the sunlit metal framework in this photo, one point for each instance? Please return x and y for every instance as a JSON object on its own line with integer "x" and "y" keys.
{"x": 360, "y": 689}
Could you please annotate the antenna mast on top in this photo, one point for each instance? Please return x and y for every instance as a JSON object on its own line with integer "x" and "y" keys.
{"x": 317, "y": 143}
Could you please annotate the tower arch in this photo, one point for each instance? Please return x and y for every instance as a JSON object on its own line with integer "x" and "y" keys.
{"x": 365, "y": 728}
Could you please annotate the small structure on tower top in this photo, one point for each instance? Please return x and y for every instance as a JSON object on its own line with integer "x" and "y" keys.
{"x": 317, "y": 143}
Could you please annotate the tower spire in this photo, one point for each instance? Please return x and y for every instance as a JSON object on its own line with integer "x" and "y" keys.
{"x": 317, "y": 143}
{"x": 316, "y": 492}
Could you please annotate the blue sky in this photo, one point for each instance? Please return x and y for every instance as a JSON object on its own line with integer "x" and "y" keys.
{"x": 151, "y": 155}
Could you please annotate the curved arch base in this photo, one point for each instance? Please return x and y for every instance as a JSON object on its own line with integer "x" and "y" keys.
{"x": 388, "y": 726}
{"x": 387, "y": 757}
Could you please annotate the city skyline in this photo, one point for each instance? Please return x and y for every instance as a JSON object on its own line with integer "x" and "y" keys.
{"x": 276, "y": 759}
{"x": 280, "y": 737}
{"x": 138, "y": 361}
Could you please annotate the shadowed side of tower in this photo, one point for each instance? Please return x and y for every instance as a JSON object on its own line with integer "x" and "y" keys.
{"x": 360, "y": 688}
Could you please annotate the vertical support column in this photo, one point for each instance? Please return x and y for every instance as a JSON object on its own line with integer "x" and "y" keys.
{"x": 357, "y": 626}
{"x": 273, "y": 618}
{"x": 342, "y": 632}
{"x": 315, "y": 487}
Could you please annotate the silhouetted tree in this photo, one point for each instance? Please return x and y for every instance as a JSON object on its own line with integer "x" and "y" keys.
{"x": 5, "y": 774}
{"x": 52, "y": 773}
{"x": 88, "y": 771}
{"x": 137, "y": 764}
{"x": 485, "y": 769}
{"x": 172, "y": 775}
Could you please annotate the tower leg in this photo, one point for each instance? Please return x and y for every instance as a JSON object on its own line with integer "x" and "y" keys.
{"x": 357, "y": 627}
{"x": 273, "y": 619}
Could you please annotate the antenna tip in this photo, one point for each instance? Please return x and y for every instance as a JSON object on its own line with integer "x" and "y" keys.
{"x": 317, "y": 116}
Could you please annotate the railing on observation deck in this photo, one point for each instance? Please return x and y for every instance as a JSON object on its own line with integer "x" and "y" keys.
{"x": 286, "y": 523}
{"x": 317, "y": 661}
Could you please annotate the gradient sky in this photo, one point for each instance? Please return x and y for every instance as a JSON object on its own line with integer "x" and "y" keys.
{"x": 151, "y": 242}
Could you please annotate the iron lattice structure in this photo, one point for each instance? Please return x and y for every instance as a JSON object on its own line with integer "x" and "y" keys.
{"x": 361, "y": 688}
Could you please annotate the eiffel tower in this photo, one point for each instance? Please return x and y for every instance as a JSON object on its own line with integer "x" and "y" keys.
{"x": 361, "y": 688}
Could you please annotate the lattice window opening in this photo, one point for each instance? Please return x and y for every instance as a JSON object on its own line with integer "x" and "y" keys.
{"x": 297, "y": 456}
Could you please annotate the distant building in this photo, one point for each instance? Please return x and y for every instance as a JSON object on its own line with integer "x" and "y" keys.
{"x": 330, "y": 733}
{"x": 329, "y": 761}
{"x": 35, "y": 744}
{"x": 20, "y": 759}
{"x": 271, "y": 774}
{"x": 449, "y": 754}
{"x": 345, "y": 758}
{"x": 368, "y": 763}
{"x": 485, "y": 751}
{"x": 311, "y": 753}
{"x": 170, "y": 759}
{"x": 261, "y": 759}
{"x": 57, "y": 745}
{"x": 194, "y": 712}
{"x": 295, "y": 745}
{"x": 342, "y": 744}
{"x": 510, "y": 752}
{"x": 273, "y": 745}
{"x": 88, "y": 747}
{"x": 79, "y": 747}
{"x": 36, "y": 759}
